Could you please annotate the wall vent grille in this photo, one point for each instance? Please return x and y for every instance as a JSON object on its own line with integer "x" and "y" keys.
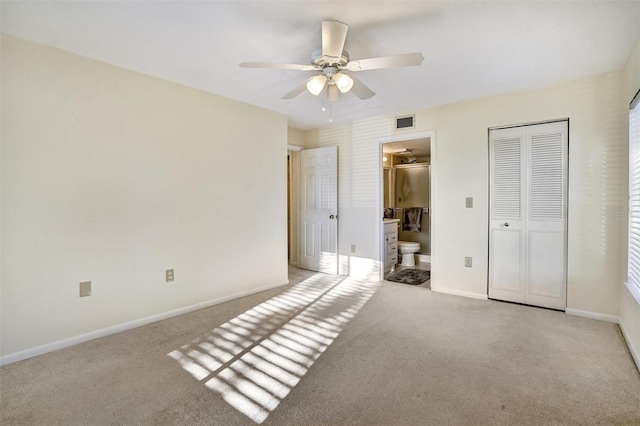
{"x": 405, "y": 122}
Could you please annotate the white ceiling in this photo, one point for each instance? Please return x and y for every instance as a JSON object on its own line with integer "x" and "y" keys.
{"x": 471, "y": 49}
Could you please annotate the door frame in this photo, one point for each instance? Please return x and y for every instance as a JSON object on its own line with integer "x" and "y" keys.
{"x": 293, "y": 152}
{"x": 399, "y": 137}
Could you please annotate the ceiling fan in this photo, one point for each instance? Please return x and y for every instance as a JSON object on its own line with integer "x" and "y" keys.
{"x": 332, "y": 61}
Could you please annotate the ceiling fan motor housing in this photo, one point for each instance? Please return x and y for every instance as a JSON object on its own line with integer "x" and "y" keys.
{"x": 322, "y": 61}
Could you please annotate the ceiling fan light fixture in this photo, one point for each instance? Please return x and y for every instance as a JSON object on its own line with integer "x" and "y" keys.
{"x": 331, "y": 59}
{"x": 333, "y": 93}
{"x": 344, "y": 82}
{"x": 316, "y": 84}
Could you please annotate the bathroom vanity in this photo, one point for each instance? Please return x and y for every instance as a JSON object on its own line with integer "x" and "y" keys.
{"x": 391, "y": 243}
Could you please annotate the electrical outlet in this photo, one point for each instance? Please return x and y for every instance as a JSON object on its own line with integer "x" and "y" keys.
{"x": 168, "y": 274}
{"x": 353, "y": 248}
{"x": 469, "y": 202}
{"x": 85, "y": 288}
{"x": 467, "y": 262}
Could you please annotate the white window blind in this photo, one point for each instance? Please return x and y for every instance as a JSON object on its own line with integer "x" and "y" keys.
{"x": 634, "y": 197}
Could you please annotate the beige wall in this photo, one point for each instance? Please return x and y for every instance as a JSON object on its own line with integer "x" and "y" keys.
{"x": 359, "y": 191}
{"x": 594, "y": 186}
{"x": 295, "y": 137}
{"x": 112, "y": 176}
{"x": 461, "y": 170}
{"x": 629, "y": 305}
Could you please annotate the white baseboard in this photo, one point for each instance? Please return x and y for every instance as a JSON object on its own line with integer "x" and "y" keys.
{"x": 49, "y": 347}
{"x": 459, "y": 293}
{"x": 634, "y": 351}
{"x": 593, "y": 315}
{"x": 612, "y": 319}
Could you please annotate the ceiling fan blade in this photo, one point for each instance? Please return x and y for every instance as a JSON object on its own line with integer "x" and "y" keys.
{"x": 360, "y": 90}
{"x": 298, "y": 89}
{"x": 405, "y": 60}
{"x": 279, "y": 66}
{"x": 334, "y": 34}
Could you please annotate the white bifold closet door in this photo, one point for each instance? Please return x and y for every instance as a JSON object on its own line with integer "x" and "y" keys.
{"x": 528, "y": 214}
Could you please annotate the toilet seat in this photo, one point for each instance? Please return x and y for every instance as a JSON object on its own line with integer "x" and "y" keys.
{"x": 409, "y": 245}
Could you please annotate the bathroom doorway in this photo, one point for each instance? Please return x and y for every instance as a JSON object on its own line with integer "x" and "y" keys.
{"x": 407, "y": 195}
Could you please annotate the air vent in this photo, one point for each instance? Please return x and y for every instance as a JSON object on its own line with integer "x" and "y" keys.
{"x": 406, "y": 122}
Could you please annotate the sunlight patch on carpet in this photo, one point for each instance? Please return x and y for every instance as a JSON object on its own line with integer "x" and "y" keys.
{"x": 254, "y": 360}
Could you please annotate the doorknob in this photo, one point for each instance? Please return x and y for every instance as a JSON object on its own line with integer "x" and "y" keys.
{"x": 332, "y": 217}
{"x": 506, "y": 224}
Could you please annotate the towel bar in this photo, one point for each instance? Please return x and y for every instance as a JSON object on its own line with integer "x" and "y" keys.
{"x": 424, "y": 209}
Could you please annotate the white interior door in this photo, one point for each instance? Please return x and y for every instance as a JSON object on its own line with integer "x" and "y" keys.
{"x": 528, "y": 220}
{"x": 319, "y": 209}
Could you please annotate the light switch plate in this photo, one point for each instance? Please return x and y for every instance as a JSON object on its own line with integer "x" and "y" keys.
{"x": 85, "y": 288}
{"x": 467, "y": 262}
{"x": 168, "y": 275}
{"x": 469, "y": 202}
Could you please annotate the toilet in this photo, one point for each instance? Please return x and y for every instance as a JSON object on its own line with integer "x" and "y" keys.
{"x": 407, "y": 250}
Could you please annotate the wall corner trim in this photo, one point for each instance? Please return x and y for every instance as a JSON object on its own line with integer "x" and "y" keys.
{"x": 71, "y": 341}
{"x": 634, "y": 351}
{"x": 612, "y": 319}
{"x": 593, "y": 315}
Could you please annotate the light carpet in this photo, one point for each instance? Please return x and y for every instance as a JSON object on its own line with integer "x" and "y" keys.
{"x": 383, "y": 353}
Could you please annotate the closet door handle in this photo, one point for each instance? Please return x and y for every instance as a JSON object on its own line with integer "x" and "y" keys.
{"x": 506, "y": 224}
{"x": 332, "y": 217}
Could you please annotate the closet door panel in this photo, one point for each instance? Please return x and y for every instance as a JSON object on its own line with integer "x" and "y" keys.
{"x": 506, "y": 275}
{"x": 546, "y": 215}
{"x": 547, "y": 171}
{"x": 546, "y": 266}
{"x": 506, "y": 241}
